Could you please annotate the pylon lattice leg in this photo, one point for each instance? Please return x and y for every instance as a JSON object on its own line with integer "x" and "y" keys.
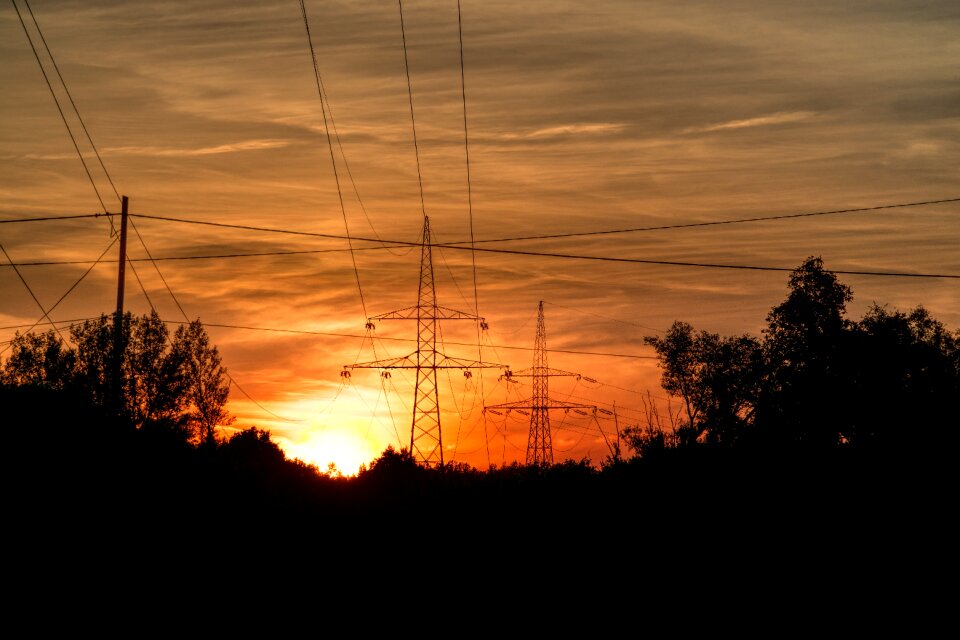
{"x": 426, "y": 443}
{"x": 539, "y": 441}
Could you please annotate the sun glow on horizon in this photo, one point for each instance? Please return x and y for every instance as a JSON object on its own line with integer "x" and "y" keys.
{"x": 323, "y": 447}
{"x": 337, "y": 429}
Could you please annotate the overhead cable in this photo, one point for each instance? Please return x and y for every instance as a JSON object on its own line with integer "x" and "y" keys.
{"x": 671, "y": 263}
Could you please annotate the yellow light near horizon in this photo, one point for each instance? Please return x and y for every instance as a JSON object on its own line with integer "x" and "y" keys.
{"x": 342, "y": 448}
{"x": 324, "y": 430}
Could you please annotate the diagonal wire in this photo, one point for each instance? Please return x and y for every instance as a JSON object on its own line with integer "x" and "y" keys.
{"x": 393, "y": 421}
{"x": 413, "y": 122}
{"x": 473, "y": 254}
{"x": 333, "y": 161}
{"x": 46, "y": 314}
{"x": 187, "y": 318}
{"x": 159, "y": 273}
{"x": 142, "y": 288}
{"x": 346, "y": 165}
{"x": 68, "y": 291}
{"x": 59, "y": 108}
{"x": 73, "y": 104}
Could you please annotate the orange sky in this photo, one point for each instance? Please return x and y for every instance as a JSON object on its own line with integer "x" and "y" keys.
{"x": 582, "y": 117}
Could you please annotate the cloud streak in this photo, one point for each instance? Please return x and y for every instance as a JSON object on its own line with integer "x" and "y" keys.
{"x": 759, "y": 121}
{"x": 168, "y": 152}
{"x": 565, "y": 131}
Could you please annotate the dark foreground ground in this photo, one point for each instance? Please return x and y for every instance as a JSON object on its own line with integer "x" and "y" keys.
{"x": 86, "y": 495}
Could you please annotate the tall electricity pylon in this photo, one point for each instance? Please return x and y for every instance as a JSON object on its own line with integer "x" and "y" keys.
{"x": 539, "y": 440}
{"x": 426, "y": 442}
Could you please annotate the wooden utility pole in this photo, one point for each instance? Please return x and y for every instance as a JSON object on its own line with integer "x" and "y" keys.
{"x": 118, "y": 346}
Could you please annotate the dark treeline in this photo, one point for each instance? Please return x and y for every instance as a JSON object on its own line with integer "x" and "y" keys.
{"x": 815, "y": 382}
{"x": 821, "y": 418}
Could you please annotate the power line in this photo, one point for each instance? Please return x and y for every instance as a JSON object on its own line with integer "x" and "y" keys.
{"x": 413, "y": 122}
{"x": 324, "y": 96}
{"x": 107, "y": 174}
{"x": 333, "y": 161}
{"x": 447, "y": 246}
{"x": 72, "y": 287}
{"x": 142, "y": 288}
{"x": 473, "y": 255}
{"x": 247, "y": 227}
{"x": 187, "y": 318}
{"x": 85, "y": 274}
{"x": 57, "y": 101}
{"x": 671, "y": 263}
{"x": 706, "y": 265}
{"x": 46, "y": 314}
{"x": 49, "y": 218}
{"x": 73, "y": 104}
{"x": 593, "y": 233}
{"x": 260, "y": 406}
{"x": 555, "y": 235}
{"x": 48, "y": 263}
{"x": 31, "y": 326}
{"x": 719, "y": 222}
{"x": 157, "y": 269}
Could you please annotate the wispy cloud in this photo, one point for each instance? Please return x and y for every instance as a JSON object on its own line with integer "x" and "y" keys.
{"x": 761, "y": 121}
{"x": 247, "y": 145}
{"x": 564, "y": 130}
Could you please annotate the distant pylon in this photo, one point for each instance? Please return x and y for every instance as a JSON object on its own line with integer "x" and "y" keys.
{"x": 540, "y": 440}
{"x": 426, "y": 441}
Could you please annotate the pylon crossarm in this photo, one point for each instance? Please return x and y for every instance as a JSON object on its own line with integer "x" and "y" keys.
{"x": 446, "y": 362}
{"x": 403, "y": 362}
{"x": 530, "y": 405}
{"x": 417, "y": 313}
{"x": 530, "y": 373}
{"x": 400, "y": 314}
{"x": 410, "y": 362}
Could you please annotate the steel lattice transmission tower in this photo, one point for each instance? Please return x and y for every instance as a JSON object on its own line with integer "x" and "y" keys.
{"x": 426, "y": 442}
{"x": 539, "y": 440}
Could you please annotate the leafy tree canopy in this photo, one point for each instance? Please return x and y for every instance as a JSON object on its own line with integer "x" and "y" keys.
{"x": 815, "y": 380}
{"x": 177, "y": 381}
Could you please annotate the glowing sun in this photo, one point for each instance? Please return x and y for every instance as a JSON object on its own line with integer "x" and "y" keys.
{"x": 344, "y": 449}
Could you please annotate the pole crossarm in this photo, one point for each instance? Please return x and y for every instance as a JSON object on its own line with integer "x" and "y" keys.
{"x": 419, "y": 312}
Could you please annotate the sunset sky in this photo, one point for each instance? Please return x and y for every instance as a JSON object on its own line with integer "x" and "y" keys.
{"x": 582, "y": 117}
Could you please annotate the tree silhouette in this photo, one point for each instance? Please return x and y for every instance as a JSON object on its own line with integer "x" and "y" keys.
{"x": 152, "y": 386}
{"x": 803, "y": 398}
{"x": 907, "y": 372}
{"x": 252, "y": 449}
{"x": 38, "y": 359}
{"x": 176, "y": 382}
{"x": 714, "y": 377}
{"x": 207, "y": 387}
{"x": 816, "y": 381}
